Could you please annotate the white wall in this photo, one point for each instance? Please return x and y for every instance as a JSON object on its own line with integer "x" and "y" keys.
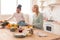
{"x": 0, "y": 6}
{"x": 56, "y": 13}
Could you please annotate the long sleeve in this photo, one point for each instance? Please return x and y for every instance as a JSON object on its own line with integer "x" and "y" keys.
{"x": 38, "y": 21}
{"x": 10, "y": 17}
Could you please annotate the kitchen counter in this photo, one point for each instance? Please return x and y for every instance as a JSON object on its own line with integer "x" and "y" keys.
{"x": 5, "y": 34}
{"x": 54, "y": 22}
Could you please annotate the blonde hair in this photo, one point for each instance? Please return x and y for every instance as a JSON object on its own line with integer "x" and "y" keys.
{"x": 36, "y": 6}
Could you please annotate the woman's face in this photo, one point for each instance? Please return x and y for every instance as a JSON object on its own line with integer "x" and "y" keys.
{"x": 34, "y": 9}
{"x": 18, "y": 10}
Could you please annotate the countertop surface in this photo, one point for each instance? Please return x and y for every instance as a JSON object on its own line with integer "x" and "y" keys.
{"x": 5, "y": 34}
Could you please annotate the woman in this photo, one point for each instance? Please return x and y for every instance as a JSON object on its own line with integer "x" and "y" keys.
{"x": 37, "y": 18}
{"x": 19, "y": 16}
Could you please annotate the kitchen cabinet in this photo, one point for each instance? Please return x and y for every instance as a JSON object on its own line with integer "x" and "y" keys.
{"x": 48, "y": 26}
{"x": 55, "y": 28}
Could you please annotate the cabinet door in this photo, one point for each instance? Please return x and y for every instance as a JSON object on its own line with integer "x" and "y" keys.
{"x": 48, "y": 27}
{"x": 56, "y": 29}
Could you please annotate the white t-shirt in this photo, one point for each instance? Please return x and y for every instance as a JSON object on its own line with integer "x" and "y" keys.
{"x": 17, "y": 16}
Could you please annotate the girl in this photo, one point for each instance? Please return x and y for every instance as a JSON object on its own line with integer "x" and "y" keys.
{"x": 19, "y": 16}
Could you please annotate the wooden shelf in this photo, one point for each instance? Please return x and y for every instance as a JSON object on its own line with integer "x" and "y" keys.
{"x": 54, "y": 4}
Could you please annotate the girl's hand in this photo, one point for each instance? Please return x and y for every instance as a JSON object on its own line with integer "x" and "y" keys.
{"x": 1, "y": 21}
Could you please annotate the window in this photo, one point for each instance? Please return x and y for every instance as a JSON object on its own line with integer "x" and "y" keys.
{"x": 26, "y": 5}
{"x": 8, "y": 6}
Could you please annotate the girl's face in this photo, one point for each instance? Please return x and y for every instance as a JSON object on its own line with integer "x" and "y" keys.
{"x": 18, "y": 10}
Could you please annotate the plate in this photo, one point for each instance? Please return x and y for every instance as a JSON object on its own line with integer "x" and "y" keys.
{"x": 42, "y": 35}
{"x": 19, "y": 35}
